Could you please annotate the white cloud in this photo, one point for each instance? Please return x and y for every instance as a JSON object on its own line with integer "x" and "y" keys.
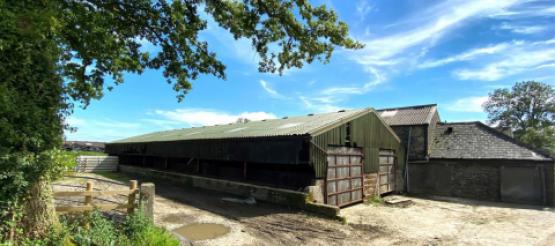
{"x": 321, "y": 104}
{"x": 467, "y": 104}
{"x": 467, "y": 55}
{"x": 523, "y": 29}
{"x": 425, "y": 29}
{"x": 268, "y": 88}
{"x": 102, "y": 129}
{"x": 363, "y": 7}
{"x": 378, "y": 78}
{"x": 524, "y": 11}
{"x": 207, "y": 117}
{"x": 514, "y": 60}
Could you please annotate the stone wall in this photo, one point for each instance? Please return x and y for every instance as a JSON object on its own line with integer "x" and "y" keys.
{"x": 291, "y": 198}
{"x": 482, "y": 180}
{"x": 418, "y": 149}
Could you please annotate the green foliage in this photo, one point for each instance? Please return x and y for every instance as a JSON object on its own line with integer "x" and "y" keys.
{"x": 529, "y": 109}
{"x": 19, "y": 171}
{"x": 60, "y": 52}
{"x": 136, "y": 230}
{"x": 375, "y": 200}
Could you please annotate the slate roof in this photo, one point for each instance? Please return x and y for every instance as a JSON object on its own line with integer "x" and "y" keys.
{"x": 412, "y": 115}
{"x": 299, "y": 125}
{"x": 475, "y": 140}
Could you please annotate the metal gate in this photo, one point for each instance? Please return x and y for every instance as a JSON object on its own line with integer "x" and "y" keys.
{"x": 386, "y": 174}
{"x": 344, "y": 179}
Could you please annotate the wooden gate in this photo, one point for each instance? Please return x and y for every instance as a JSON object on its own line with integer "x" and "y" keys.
{"x": 344, "y": 177}
{"x": 386, "y": 175}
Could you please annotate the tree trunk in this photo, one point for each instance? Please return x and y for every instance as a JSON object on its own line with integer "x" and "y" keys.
{"x": 39, "y": 212}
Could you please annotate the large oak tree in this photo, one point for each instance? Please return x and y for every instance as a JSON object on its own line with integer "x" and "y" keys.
{"x": 54, "y": 53}
{"x": 529, "y": 109}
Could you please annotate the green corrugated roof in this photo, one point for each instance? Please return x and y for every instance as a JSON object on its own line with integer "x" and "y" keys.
{"x": 298, "y": 125}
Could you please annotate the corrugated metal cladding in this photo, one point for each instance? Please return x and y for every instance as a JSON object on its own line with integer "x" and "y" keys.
{"x": 307, "y": 147}
{"x": 367, "y": 132}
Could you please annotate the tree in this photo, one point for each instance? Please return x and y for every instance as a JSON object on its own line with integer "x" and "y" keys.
{"x": 529, "y": 109}
{"x": 57, "y": 53}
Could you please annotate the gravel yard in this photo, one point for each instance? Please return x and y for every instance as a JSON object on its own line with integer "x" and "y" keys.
{"x": 423, "y": 222}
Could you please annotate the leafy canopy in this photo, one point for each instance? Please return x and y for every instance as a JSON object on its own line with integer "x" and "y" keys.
{"x": 54, "y": 53}
{"x": 103, "y": 38}
{"x": 529, "y": 109}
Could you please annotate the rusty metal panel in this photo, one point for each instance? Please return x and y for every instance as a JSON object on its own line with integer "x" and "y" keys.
{"x": 344, "y": 179}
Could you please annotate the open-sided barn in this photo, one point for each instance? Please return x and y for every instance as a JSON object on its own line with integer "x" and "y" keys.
{"x": 343, "y": 156}
{"x": 469, "y": 160}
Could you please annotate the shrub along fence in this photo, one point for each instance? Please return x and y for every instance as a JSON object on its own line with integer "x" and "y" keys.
{"x": 146, "y": 194}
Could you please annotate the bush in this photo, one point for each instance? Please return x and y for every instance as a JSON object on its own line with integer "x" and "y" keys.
{"x": 97, "y": 229}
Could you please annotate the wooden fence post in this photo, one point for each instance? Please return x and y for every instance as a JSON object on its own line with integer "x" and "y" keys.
{"x": 88, "y": 200}
{"x": 89, "y": 197}
{"x": 131, "y": 197}
{"x": 147, "y": 199}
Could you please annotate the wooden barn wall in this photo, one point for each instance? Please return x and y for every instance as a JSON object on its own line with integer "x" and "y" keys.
{"x": 367, "y": 132}
{"x": 270, "y": 150}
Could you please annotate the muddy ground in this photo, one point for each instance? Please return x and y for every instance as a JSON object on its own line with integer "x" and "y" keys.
{"x": 423, "y": 222}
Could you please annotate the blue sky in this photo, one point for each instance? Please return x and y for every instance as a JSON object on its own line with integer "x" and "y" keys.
{"x": 417, "y": 52}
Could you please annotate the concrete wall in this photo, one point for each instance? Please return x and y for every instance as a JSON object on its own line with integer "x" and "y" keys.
{"x": 291, "y": 198}
{"x": 476, "y": 179}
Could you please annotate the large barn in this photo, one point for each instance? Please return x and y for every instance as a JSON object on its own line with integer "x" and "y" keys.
{"x": 346, "y": 155}
{"x": 469, "y": 160}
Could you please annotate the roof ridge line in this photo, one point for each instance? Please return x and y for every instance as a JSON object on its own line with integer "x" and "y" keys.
{"x": 407, "y": 107}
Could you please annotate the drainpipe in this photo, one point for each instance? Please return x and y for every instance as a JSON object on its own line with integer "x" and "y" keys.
{"x": 407, "y": 159}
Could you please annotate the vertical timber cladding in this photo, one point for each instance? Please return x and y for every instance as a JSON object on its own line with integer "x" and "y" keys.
{"x": 386, "y": 173}
{"x": 344, "y": 177}
{"x": 370, "y": 134}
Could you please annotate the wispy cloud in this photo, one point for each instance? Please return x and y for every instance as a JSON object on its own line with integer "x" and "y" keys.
{"x": 271, "y": 91}
{"x": 102, "y": 129}
{"x": 523, "y": 29}
{"x": 467, "y": 55}
{"x": 207, "y": 117}
{"x": 339, "y": 91}
{"x": 363, "y": 7}
{"x": 518, "y": 58}
{"x": 425, "y": 29}
{"x": 467, "y": 104}
{"x": 320, "y": 104}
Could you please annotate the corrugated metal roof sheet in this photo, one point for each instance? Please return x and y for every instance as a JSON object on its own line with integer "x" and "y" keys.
{"x": 299, "y": 125}
{"x": 413, "y": 115}
{"x": 474, "y": 140}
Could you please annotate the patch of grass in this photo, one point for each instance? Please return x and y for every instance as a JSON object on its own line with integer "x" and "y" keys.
{"x": 135, "y": 230}
{"x": 375, "y": 200}
{"x": 114, "y": 176}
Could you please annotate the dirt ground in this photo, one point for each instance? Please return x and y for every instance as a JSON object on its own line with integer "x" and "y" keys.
{"x": 423, "y": 222}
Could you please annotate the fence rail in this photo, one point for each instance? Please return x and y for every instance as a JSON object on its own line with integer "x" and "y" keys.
{"x": 89, "y": 195}
{"x": 96, "y": 163}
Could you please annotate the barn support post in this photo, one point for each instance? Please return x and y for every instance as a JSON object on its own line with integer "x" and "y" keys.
{"x": 147, "y": 195}
{"x": 165, "y": 163}
{"x": 244, "y": 170}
